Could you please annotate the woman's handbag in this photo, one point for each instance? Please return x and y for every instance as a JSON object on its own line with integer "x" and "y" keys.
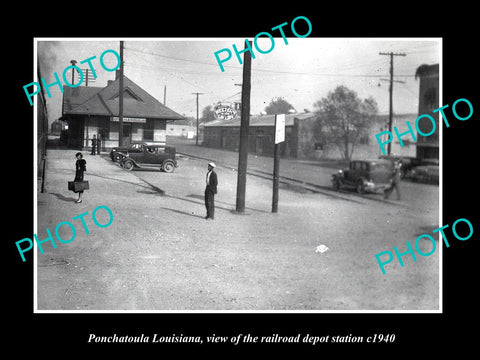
{"x": 80, "y": 186}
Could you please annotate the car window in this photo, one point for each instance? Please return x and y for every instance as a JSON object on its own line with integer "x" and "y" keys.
{"x": 381, "y": 166}
{"x": 151, "y": 150}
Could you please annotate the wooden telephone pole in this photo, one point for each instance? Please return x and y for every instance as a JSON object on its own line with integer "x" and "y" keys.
{"x": 120, "y": 99}
{"x": 197, "y": 93}
{"x": 244, "y": 126}
{"x": 390, "y": 115}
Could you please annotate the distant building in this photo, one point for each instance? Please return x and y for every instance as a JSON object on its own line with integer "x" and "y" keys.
{"x": 299, "y": 142}
{"x": 92, "y": 111}
{"x": 368, "y": 147}
{"x": 57, "y": 127}
{"x": 182, "y": 129}
{"x": 302, "y": 138}
{"x": 428, "y": 146}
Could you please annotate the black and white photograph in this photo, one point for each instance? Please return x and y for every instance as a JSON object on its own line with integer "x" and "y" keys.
{"x": 206, "y": 218}
{"x": 228, "y": 179}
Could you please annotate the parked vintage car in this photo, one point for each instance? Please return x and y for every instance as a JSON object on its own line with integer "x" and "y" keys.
{"x": 426, "y": 173}
{"x": 120, "y": 152}
{"x": 160, "y": 156}
{"x": 365, "y": 175}
{"x": 407, "y": 162}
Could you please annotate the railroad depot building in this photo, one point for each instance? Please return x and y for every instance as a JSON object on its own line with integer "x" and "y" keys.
{"x": 92, "y": 111}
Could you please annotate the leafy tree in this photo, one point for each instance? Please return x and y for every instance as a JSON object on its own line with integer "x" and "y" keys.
{"x": 207, "y": 114}
{"x": 278, "y": 106}
{"x": 344, "y": 118}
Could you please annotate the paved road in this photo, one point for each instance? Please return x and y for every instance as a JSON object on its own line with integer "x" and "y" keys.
{"x": 161, "y": 254}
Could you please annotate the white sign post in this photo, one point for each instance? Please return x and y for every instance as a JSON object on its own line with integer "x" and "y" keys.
{"x": 279, "y": 128}
{"x": 279, "y": 138}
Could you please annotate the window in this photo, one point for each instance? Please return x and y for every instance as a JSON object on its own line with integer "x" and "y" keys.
{"x": 148, "y": 130}
{"x": 104, "y": 128}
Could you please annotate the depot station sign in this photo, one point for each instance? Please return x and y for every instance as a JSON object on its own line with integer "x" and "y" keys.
{"x": 129, "y": 119}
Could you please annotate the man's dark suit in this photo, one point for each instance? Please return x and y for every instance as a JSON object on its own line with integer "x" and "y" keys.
{"x": 210, "y": 192}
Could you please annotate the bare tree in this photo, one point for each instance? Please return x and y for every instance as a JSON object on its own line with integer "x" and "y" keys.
{"x": 345, "y": 118}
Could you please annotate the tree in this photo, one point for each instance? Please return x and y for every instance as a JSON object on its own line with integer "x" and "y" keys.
{"x": 207, "y": 114}
{"x": 278, "y": 106}
{"x": 345, "y": 118}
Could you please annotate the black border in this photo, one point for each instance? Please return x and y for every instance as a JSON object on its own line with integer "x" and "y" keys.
{"x": 427, "y": 332}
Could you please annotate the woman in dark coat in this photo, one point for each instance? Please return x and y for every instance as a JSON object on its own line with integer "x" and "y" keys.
{"x": 80, "y": 168}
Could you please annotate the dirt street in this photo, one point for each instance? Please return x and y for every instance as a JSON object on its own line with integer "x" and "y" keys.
{"x": 160, "y": 253}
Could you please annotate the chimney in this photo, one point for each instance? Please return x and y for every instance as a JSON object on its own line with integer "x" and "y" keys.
{"x": 117, "y": 74}
{"x": 109, "y": 82}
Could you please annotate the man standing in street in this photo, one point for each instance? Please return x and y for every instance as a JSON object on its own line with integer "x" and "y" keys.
{"x": 210, "y": 191}
{"x": 99, "y": 144}
{"x": 94, "y": 145}
{"x": 395, "y": 182}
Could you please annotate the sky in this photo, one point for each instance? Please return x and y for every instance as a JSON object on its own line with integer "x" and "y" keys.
{"x": 301, "y": 72}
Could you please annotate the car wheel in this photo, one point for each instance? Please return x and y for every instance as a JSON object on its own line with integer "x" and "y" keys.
{"x": 168, "y": 166}
{"x": 117, "y": 157}
{"x": 128, "y": 165}
{"x": 360, "y": 186}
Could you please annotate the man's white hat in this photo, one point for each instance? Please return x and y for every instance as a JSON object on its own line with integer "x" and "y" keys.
{"x": 211, "y": 164}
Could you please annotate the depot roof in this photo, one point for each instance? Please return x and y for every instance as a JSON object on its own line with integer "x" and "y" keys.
{"x": 90, "y": 100}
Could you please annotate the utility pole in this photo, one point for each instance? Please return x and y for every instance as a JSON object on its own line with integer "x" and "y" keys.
{"x": 390, "y": 116}
{"x": 244, "y": 126}
{"x": 197, "y": 93}
{"x": 165, "y": 95}
{"x": 120, "y": 99}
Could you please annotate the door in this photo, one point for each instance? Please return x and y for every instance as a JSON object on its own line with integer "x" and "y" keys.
{"x": 127, "y": 134}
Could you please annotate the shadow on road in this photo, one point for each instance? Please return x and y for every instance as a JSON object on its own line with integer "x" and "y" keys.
{"x": 183, "y": 212}
{"x": 150, "y": 187}
{"x": 63, "y": 198}
{"x": 200, "y": 197}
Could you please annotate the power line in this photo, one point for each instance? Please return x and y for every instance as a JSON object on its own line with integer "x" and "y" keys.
{"x": 352, "y": 65}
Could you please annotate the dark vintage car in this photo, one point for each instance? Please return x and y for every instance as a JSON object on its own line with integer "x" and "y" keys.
{"x": 426, "y": 173}
{"x": 160, "y": 156}
{"x": 365, "y": 175}
{"x": 119, "y": 152}
{"x": 408, "y": 163}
